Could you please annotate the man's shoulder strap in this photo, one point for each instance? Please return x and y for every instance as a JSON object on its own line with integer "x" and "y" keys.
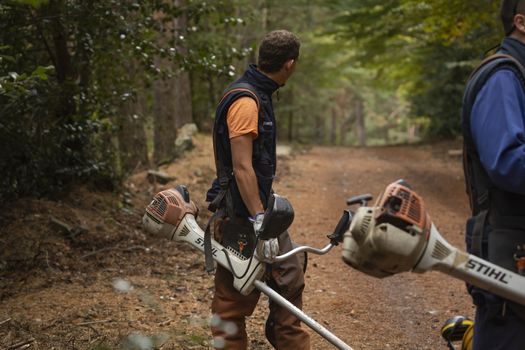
{"x": 481, "y": 74}
{"x": 496, "y": 61}
{"x": 239, "y": 88}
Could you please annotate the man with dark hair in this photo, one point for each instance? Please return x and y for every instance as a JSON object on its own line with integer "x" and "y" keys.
{"x": 244, "y": 140}
{"x": 276, "y": 48}
{"x": 493, "y": 122}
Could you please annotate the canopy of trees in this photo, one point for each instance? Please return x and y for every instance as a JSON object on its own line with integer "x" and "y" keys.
{"x": 93, "y": 90}
{"x": 423, "y": 49}
{"x": 79, "y": 81}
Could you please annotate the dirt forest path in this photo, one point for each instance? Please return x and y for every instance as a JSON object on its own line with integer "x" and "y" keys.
{"x": 401, "y": 312}
{"x": 105, "y": 284}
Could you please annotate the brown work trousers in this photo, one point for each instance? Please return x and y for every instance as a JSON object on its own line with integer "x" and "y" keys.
{"x": 283, "y": 329}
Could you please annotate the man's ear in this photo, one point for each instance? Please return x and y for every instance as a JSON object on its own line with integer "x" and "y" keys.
{"x": 289, "y": 65}
{"x": 519, "y": 23}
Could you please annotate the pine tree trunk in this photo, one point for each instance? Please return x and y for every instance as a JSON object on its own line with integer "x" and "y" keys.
{"x": 319, "y": 130}
{"x": 333, "y": 128}
{"x": 343, "y": 131}
{"x": 290, "y": 127}
{"x": 182, "y": 102}
{"x": 360, "y": 122}
{"x": 133, "y": 149}
{"x": 164, "y": 129}
{"x": 182, "y": 83}
{"x": 164, "y": 104}
{"x": 63, "y": 65}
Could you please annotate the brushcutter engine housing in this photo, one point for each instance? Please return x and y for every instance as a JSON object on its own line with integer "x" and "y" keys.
{"x": 167, "y": 210}
{"x": 171, "y": 214}
{"x": 389, "y": 237}
{"x": 396, "y": 235}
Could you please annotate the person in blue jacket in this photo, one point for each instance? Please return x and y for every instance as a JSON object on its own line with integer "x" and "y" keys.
{"x": 493, "y": 122}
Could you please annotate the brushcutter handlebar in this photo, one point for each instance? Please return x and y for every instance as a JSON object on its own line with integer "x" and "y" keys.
{"x": 362, "y": 199}
{"x": 335, "y": 238}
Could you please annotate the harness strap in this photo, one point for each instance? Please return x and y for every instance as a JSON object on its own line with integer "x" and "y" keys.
{"x": 477, "y": 233}
{"x": 222, "y": 205}
{"x": 224, "y": 194}
{"x": 224, "y": 197}
{"x": 497, "y": 57}
{"x": 208, "y": 253}
{"x": 241, "y": 87}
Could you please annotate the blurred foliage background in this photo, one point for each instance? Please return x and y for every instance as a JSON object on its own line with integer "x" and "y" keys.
{"x": 92, "y": 90}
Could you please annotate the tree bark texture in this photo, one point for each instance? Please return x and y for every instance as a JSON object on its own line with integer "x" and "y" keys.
{"x": 164, "y": 129}
{"x": 172, "y": 96}
{"x": 182, "y": 103}
{"x": 62, "y": 59}
{"x": 133, "y": 149}
{"x": 182, "y": 83}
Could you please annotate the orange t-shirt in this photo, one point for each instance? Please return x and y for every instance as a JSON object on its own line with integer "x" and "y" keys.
{"x": 242, "y": 117}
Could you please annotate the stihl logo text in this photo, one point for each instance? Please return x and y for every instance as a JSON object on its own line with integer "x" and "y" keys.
{"x": 200, "y": 242}
{"x": 488, "y": 271}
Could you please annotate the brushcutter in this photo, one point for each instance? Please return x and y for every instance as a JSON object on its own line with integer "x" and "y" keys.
{"x": 172, "y": 215}
{"x": 397, "y": 235}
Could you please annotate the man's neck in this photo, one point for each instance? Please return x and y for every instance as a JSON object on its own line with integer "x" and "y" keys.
{"x": 276, "y": 76}
{"x": 518, "y": 36}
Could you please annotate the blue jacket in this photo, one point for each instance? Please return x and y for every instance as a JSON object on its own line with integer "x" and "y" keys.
{"x": 498, "y": 126}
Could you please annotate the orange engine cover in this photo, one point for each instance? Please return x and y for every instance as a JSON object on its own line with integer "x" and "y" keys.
{"x": 170, "y": 207}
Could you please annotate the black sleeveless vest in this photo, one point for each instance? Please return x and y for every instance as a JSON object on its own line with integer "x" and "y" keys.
{"x": 224, "y": 192}
{"x": 505, "y": 209}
